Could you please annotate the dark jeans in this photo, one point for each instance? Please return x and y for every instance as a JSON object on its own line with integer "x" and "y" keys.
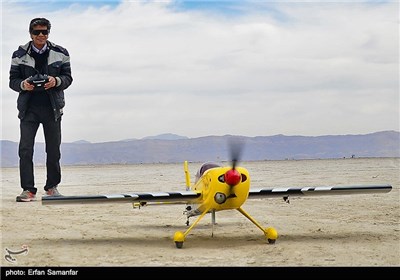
{"x": 52, "y": 134}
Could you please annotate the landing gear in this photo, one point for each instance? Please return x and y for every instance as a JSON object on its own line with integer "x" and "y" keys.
{"x": 270, "y": 233}
{"x": 179, "y": 237}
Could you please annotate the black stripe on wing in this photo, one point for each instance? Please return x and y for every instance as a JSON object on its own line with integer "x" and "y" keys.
{"x": 186, "y": 196}
{"x": 319, "y": 190}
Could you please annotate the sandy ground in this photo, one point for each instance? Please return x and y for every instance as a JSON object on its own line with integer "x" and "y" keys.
{"x": 359, "y": 230}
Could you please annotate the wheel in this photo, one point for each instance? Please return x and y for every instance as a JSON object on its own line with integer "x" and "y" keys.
{"x": 271, "y": 241}
{"x": 271, "y": 234}
{"x": 179, "y": 237}
{"x": 179, "y": 244}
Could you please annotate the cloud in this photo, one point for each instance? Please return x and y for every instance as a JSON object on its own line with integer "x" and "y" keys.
{"x": 143, "y": 68}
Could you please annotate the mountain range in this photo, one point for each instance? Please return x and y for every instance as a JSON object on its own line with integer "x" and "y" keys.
{"x": 171, "y": 148}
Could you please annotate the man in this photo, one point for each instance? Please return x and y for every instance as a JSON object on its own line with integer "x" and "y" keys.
{"x": 40, "y": 72}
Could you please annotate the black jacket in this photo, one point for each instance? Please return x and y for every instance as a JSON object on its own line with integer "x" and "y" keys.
{"x": 58, "y": 66}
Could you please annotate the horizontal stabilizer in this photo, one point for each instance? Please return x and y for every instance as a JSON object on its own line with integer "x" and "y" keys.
{"x": 321, "y": 190}
{"x": 186, "y": 196}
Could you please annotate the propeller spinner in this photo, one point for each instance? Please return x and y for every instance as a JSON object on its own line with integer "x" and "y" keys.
{"x": 232, "y": 177}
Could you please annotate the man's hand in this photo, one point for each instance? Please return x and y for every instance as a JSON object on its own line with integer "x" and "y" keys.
{"x": 51, "y": 83}
{"x": 27, "y": 86}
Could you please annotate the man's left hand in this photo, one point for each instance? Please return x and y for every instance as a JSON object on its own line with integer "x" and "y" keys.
{"x": 51, "y": 83}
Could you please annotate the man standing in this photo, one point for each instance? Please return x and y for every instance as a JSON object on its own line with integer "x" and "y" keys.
{"x": 40, "y": 71}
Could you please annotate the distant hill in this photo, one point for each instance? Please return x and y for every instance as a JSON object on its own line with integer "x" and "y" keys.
{"x": 166, "y": 136}
{"x": 170, "y": 148}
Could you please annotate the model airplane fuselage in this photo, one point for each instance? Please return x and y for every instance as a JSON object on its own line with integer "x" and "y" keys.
{"x": 222, "y": 189}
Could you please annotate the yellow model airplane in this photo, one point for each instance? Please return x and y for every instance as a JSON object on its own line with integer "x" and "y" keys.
{"x": 217, "y": 188}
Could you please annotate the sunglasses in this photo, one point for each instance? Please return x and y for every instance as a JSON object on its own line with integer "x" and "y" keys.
{"x": 37, "y": 32}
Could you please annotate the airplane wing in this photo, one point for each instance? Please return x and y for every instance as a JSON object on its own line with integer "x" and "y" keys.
{"x": 318, "y": 190}
{"x": 191, "y": 196}
{"x": 168, "y": 197}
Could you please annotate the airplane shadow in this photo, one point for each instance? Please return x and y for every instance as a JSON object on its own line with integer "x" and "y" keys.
{"x": 358, "y": 236}
{"x": 205, "y": 240}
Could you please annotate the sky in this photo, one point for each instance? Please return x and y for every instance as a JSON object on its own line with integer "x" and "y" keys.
{"x": 200, "y": 68}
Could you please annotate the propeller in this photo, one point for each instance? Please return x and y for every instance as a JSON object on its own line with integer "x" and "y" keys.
{"x": 236, "y": 147}
{"x": 232, "y": 176}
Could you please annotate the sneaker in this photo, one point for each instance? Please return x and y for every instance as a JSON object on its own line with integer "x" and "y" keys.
{"x": 26, "y": 196}
{"x": 53, "y": 192}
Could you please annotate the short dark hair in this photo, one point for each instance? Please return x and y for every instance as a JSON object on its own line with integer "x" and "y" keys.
{"x": 39, "y": 21}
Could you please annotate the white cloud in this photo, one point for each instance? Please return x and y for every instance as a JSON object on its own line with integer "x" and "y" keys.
{"x": 146, "y": 68}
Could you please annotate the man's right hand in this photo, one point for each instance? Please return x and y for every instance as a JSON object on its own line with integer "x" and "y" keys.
{"x": 27, "y": 86}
